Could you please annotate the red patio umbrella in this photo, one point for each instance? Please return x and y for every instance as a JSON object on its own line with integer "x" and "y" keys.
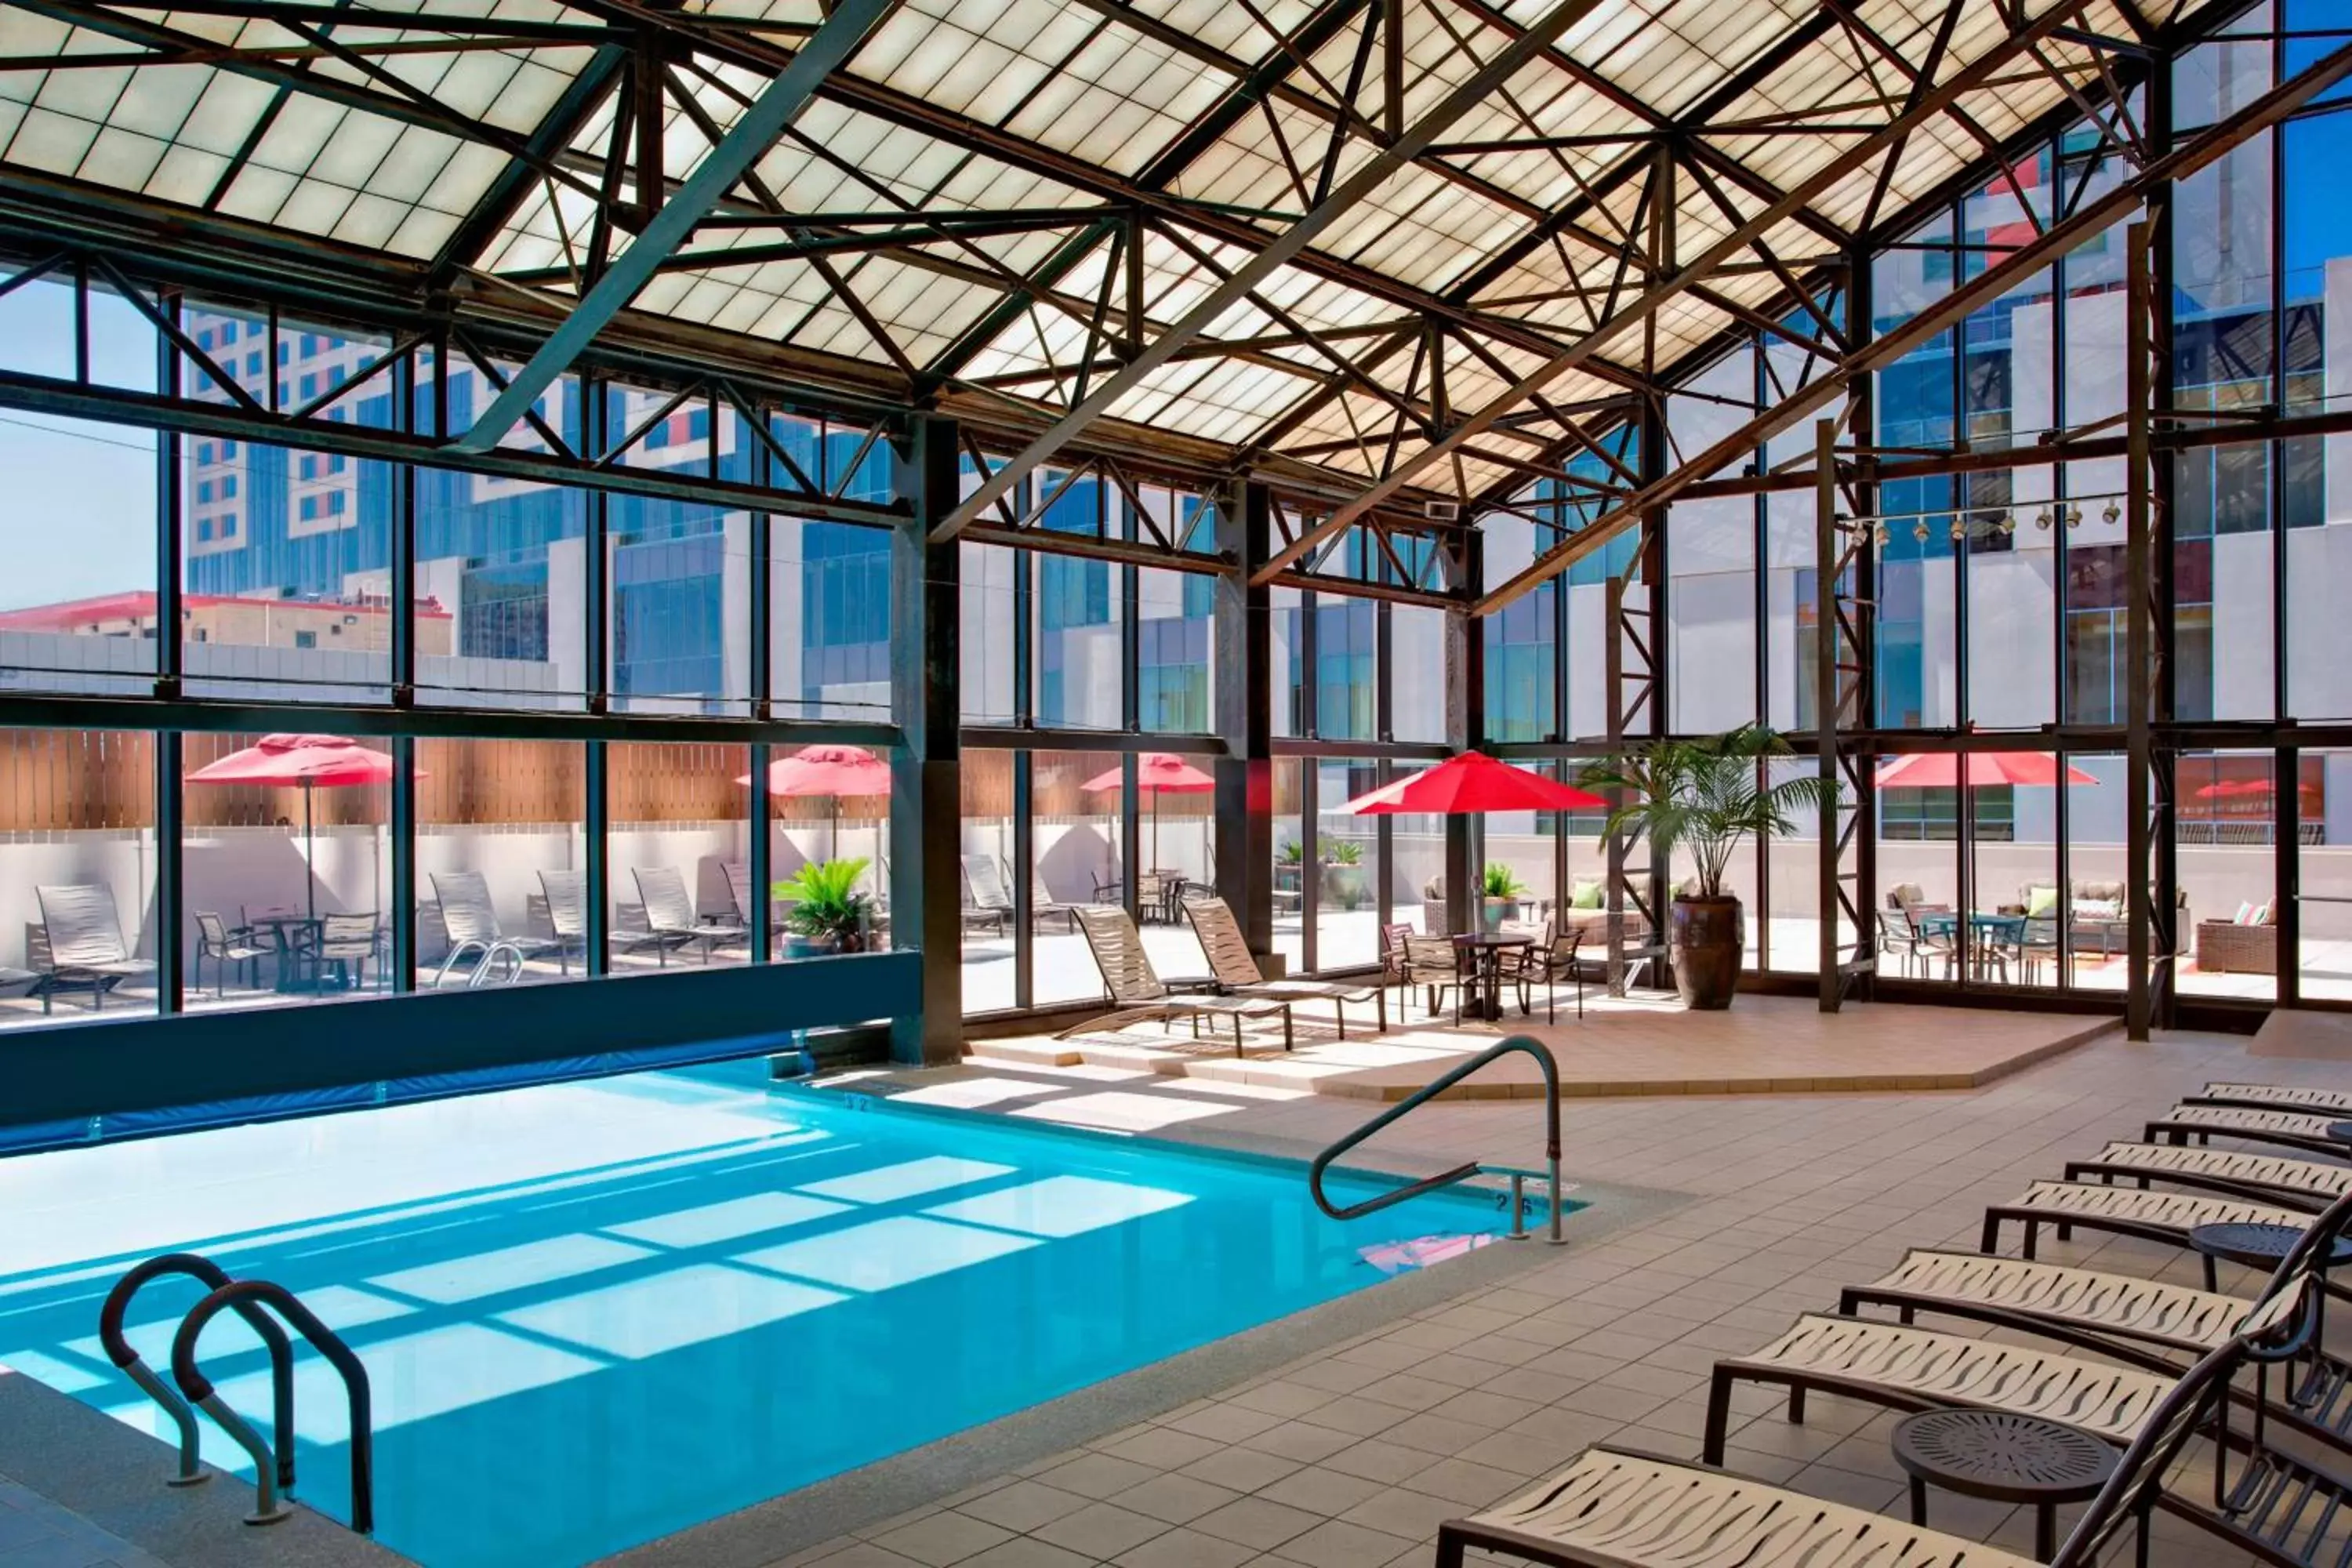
{"x": 1156, "y": 773}
{"x": 1941, "y": 770}
{"x": 1474, "y": 781}
{"x": 833, "y": 771}
{"x": 311, "y": 761}
{"x": 2225, "y": 789}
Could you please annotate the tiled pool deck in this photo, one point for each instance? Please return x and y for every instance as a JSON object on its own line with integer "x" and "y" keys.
{"x": 1348, "y": 1457}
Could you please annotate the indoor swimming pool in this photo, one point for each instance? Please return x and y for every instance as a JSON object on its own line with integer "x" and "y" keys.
{"x": 593, "y": 1314}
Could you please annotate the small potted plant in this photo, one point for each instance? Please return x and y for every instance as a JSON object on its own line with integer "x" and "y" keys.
{"x": 1343, "y": 873}
{"x": 824, "y": 911}
{"x": 1500, "y": 892}
{"x": 1290, "y": 867}
{"x": 1708, "y": 796}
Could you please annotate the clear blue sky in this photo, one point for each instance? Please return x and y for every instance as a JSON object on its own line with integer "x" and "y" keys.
{"x": 77, "y": 500}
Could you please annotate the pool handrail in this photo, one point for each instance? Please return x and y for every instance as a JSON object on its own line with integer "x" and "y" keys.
{"x": 1527, "y": 1043}
{"x": 201, "y": 1392}
{"x": 118, "y": 1351}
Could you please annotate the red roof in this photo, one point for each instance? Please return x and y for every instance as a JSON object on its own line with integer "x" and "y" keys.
{"x": 141, "y": 606}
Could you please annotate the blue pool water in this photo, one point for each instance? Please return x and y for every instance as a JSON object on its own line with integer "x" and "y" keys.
{"x": 595, "y": 1314}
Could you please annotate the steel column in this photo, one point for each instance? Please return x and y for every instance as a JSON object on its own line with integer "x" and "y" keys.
{"x": 1243, "y": 637}
{"x": 925, "y": 785}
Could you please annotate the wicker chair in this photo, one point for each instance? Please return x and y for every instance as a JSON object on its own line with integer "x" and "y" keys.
{"x": 2224, "y": 947}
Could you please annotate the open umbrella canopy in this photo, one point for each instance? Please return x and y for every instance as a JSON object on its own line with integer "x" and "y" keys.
{"x": 1156, "y": 773}
{"x": 324, "y": 761}
{"x": 1474, "y": 781}
{"x": 2233, "y": 789}
{"x": 1940, "y": 769}
{"x": 827, "y": 770}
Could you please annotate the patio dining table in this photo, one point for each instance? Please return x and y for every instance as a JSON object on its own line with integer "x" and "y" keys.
{"x": 1991, "y": 936}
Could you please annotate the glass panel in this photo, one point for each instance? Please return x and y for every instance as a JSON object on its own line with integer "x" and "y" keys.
{"x": 987, "y": 846}
{"x": 288, "y": 888}
{"x": 1077, "y": 642}
{"x": 830, "y": 653}
{"x": 2317, "y": 473}
{"x": 1289, "y": 862}
{"x": 77, "y": 875}
{"x": 1922, "y": 930}
{"x": 2226, "y": 804}
{"x": 1711, "y": 564}
{"x": 1792, "y": 915}
{"x": 1522, "y": 641}
{"x": 2013, "y": 879}
{"x": 1416, "y": 673}
{"x": 287, "y": 553}
{"x": 1174, "y": 643}
{"x": 1346, "y": 914}
{"x": 2097, "y": 822}
{"x": 1417, "y": 850}
{"x": 502, "y": 859}
{"x": 678, "y": 853}
{"x": 1522, "y": 841}
{"x": 1286, "y": 654}
{"x": 76, "y": 613}
{"x": 990, "y": 667}
{"x": 1345, "y": 648}
{"x": 2324, "y": 870}
{"x": 1076, "y": 804}
{"x": 501, "y": 566}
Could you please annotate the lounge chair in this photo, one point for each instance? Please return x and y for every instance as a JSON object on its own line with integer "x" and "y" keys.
{"x": 84, "y": 943}
{"x": 2147, "y": 1323}
{"x": 472, "y": 923}
{"x": 988, "y": 893}
{"x": 347, "y": 941}
{"x": 2143, "y": 1213}
{"x": 2263, "y": 1178}
{"x": 2276, "y": 1097}
{"x": 1237, "y": 973}
{"x": 1613, "y": 1508}
{"x": 2304, "y": 1131}
{"x": 1138, "y": 994}
{"x": 669, "y": 914}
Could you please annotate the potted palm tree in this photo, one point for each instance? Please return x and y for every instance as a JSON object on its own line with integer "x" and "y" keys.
{"x": 824, "y": 911}
{"x": 1708, "y": 796}
{"x": 1499, "y": 892}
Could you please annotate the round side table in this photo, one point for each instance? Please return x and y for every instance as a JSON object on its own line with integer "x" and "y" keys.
{"x": 2004, "y": 1457}
{"x": 2255, "y": 1246}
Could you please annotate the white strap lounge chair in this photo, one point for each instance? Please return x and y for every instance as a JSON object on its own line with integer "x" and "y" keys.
{"x": 472, "y": 923}
{"x": 85, "y": 944}
{"x": 1613, "y": 1508}
{"x": 1237, "y": 973}
{"x": 2291, "y": 1183}
{"x": 2276, "y": 1096}
{"x": 669, "y": 914}
{"x": 1138, "y": 993}
{"x": 2303, "y": 1130}
{"x": 2142, "y": 1212}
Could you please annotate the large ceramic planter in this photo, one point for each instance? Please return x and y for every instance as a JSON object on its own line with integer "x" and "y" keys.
{"x": 1708, "y": 936}
{"x": 1344, "y": 884}
{"x": 1493, "y": 912}
{"x": 798, "y": 946}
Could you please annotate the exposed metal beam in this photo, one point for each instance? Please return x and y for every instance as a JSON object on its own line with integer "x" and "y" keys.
{"x": 2054, "y": 242}
{"x": 844, "y": 33}
{"x": 1471, "y": 94}
{"x": 1676, "y": 285}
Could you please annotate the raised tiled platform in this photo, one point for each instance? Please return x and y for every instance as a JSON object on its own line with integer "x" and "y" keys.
{"x": 1634, "y": 1046}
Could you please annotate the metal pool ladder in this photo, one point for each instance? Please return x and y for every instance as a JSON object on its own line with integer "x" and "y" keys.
{"x": 1397, "y": 1112}
{"x": 260, "y": 1304}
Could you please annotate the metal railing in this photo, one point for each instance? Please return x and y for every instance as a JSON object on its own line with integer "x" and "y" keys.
{"x": 118, "y": 1351}
{"x": 261, "y": 1304}
{"x": 234, "y": 1296}
{"x": 1397, "y": 1112}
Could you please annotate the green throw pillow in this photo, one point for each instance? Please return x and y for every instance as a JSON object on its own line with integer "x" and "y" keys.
{"x": 2041, "y": 901}
{"x": 1587, "y": 896}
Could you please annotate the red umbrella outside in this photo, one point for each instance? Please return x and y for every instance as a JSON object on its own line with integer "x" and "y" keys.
{"x": 833, "y": 771}
{"x": 1941, "y": 770}
{"x": 310, "y": 761}
{"x": 1156, "y": 773}
{"x": 1474, "y": 781}
{"x": 2228, "y": 789}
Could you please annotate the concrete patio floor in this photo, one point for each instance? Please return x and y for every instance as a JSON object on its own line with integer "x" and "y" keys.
{"x": 1351, "y": 1456}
